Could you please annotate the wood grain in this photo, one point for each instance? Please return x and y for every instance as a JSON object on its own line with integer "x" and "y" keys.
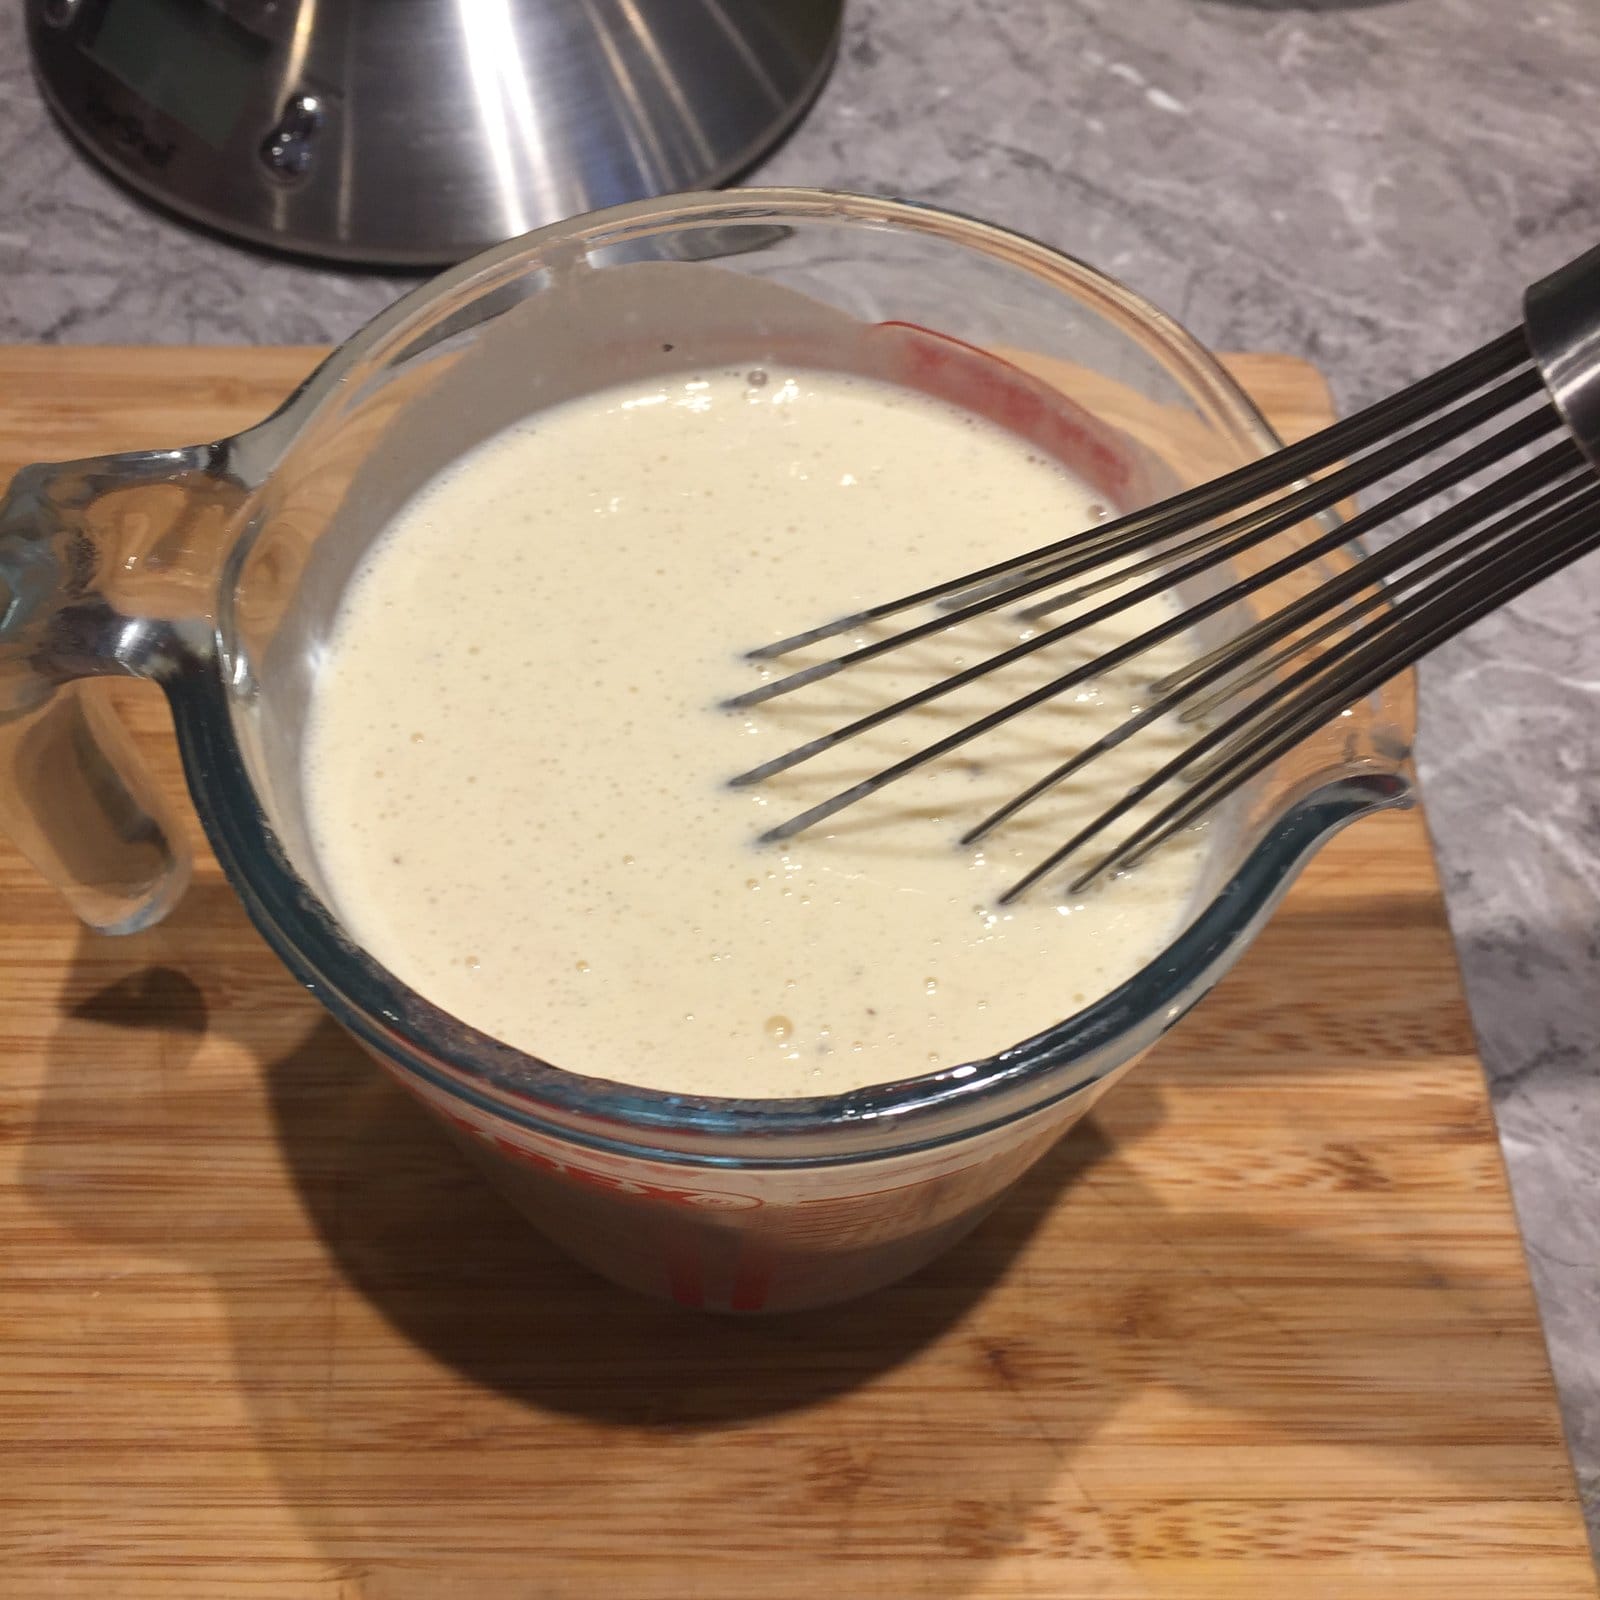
{"x": 1261, "y": 1327}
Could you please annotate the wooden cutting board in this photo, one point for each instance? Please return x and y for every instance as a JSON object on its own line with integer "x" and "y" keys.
{"x": 1261, "y": 1327}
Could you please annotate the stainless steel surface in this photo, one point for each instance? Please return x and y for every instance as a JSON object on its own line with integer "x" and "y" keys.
{"x": 1318, "y": 651}
{"x": 1562, "y": 315}
{"x": 416, "y": 132}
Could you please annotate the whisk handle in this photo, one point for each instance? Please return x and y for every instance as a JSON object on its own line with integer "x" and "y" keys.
{"x": 1562, "y": 316}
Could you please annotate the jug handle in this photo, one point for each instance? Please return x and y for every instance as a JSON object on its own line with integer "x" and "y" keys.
{"x": 108, "y": 568}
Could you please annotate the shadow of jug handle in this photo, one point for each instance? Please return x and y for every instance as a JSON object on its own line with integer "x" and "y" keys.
{"x": 108, "y": 568}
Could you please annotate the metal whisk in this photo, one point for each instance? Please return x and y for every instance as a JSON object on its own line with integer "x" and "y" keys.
{"x": 1354, "y": 631}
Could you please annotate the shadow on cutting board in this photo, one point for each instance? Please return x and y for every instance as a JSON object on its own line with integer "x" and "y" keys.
{"x": 449, "y": 1264}
{"x": 944, "y": 1416}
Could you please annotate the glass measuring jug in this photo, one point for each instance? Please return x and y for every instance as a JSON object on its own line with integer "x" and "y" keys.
{"x": 216, "y": 570}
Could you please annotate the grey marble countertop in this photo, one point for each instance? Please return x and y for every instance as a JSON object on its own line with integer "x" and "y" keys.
{"x": 1367, "y": 184}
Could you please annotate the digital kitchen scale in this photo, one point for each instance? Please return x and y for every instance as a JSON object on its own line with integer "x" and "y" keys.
{"x": 419, "y": 131}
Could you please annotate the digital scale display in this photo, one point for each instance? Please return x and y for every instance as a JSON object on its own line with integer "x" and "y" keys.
{"x": 183, "y": 57}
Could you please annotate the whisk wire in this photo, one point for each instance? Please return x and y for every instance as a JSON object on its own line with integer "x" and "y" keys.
{"x": 1295, "y": 669}
{"x": 1567, "y": 536}
{"x": 1515, "y": 436}
{"x": 1563, "y": 458}
{"x": 1375, "y": 598}
{"x": 1322, "y": 493}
